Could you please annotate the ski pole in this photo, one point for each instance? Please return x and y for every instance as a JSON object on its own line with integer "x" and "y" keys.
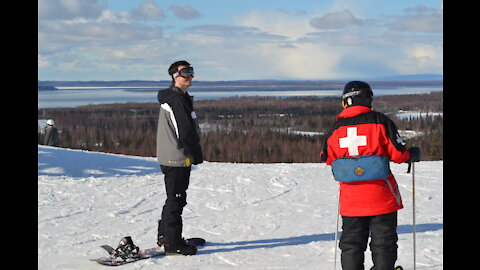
{"x": 336, "y": 232}
{"x": 414, "y": 157}
{"x": 414, "y": 226}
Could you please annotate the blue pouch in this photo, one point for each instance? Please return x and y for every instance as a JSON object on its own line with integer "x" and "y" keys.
{"x": 361, "y": 168}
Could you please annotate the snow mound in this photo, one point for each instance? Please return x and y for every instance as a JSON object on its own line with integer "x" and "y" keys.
{"x": 253, "y": 216}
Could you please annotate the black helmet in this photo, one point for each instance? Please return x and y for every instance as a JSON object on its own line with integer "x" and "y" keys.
{"x": 357, "y": 93}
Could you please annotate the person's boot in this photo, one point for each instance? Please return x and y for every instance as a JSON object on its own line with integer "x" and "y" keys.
{"x": 396, "y": 268}
{"x": 160, "y": 240}
{"x": 180, "y": 247}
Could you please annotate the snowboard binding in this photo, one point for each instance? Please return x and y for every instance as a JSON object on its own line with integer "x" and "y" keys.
{"x": 126, "y": 249}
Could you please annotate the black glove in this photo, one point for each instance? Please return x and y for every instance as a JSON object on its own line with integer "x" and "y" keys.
{"x": 414, "y": 154}
{"x": 198, "y": 159}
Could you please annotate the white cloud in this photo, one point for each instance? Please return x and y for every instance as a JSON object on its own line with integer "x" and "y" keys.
{"x": 148, "y": 10}
{"x": 184, "y": 12}
{"x": 335, "y": 20}
{"x": 249, "y": 52}
{"x": 109, "y": 27}
{"x": 306, "y": 61}
{"x": 69, "y": 9}
{"x": 237, "y": 36}
{"x": 108, "y": 16}
{"x": 419, "y": 19}
{"x": 109, "y": 45}
{"x": 420, "y": 59}
{"x": 43, "y": 61}
{"x": 261, "y": 44}
{"x": 292, "y": 25}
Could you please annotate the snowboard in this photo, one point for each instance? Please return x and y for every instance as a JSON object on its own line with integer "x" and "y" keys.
{"x": 116, "y": 260}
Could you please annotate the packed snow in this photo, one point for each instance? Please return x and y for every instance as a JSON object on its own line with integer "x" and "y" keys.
{"x": 253, "y": 216}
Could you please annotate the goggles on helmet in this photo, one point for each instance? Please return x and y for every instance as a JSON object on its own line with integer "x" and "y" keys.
{"x": 184, "y": 72}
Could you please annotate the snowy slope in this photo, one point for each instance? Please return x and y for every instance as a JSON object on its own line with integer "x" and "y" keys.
{"x": 254, "y": 216}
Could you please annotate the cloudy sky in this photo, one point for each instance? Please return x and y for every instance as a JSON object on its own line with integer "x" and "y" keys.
{"x": 238, "y": 40}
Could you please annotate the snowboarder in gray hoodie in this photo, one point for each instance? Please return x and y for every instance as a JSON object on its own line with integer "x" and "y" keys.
{"x": 178, "y": 147}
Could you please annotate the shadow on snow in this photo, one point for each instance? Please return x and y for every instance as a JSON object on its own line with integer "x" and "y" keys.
{"x": 303, "y": 240}
{"x": 53, "y": 161}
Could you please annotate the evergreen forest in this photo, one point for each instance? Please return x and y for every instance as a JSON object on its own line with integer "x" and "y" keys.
{"x": 244, "y": 129}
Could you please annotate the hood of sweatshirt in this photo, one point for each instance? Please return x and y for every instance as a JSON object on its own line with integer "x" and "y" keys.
{"x": 166, "y": 95}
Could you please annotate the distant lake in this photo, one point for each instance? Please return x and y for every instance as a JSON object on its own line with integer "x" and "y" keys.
{"x": 78, "y": 96}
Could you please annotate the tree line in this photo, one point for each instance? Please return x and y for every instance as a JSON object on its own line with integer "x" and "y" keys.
{"x": 242, "y": 129}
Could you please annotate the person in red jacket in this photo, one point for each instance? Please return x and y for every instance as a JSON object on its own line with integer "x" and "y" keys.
{"x": 359, "y": 147}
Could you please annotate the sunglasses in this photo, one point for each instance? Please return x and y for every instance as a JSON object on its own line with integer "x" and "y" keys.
{"x": 184, "y": 72}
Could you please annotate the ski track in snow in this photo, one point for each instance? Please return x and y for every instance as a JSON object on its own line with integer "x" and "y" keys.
{"x": 253, "y": 216}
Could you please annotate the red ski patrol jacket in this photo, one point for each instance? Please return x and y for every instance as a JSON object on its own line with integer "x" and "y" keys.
{"x": 361, "y": 132}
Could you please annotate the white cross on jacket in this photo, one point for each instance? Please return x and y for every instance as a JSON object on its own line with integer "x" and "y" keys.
{"x": 352, "y": 141}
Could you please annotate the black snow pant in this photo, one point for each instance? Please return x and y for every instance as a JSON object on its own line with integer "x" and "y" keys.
{"x": 176, "y": 185}
{"x": 383, "y": 243}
